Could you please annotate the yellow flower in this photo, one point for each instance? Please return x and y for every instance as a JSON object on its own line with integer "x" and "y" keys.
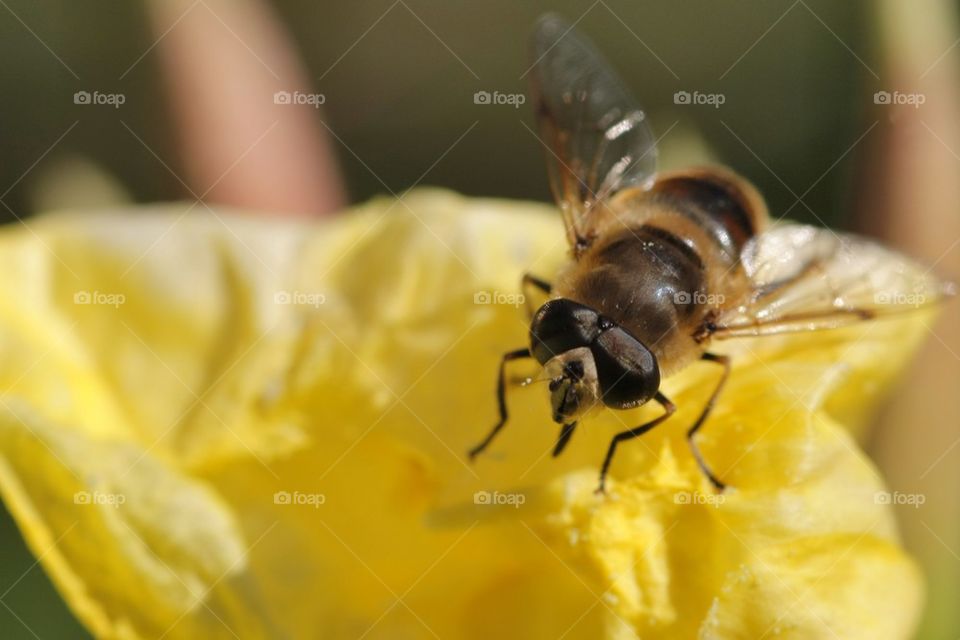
{"x": 228, "y": 427}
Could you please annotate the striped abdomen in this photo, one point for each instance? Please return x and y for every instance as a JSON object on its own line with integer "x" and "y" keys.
{"x": 728, "y": 207}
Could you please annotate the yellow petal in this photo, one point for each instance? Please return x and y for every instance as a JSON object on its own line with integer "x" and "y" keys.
{"x": 806, "y": 589}
{"x": 269, "y": 421}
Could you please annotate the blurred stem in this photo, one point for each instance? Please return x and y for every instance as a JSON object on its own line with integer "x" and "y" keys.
{"x": 223, "y": 60}
{"x": 911, "y": 197}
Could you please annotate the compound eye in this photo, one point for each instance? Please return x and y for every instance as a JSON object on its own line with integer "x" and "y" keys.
{"x": 561, "y": 325}
{"x": 627, "y": 371}
{"x": 574, "y": 370}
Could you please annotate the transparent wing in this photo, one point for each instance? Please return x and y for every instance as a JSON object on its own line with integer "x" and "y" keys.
{"x": 807, "y": 278}
{"x": 597, "y": 136}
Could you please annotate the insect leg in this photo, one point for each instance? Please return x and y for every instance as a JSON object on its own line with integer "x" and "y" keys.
{"x": 724, "y": 361}
{"x": 564, "y": 438}
{"x": 668, "y": 407}
{"x": 529, "y": 281}
{"x": 501, "y": 399}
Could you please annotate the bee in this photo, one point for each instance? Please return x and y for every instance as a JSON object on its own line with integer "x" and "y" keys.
{"x": 662, "y": 265}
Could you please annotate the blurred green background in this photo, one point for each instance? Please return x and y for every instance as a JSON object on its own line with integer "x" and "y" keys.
{"x": 399, "y": 78}
{"x": 399, "y": 98}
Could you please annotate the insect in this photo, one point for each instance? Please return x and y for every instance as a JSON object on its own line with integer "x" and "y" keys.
{"x": 664, "y": 264}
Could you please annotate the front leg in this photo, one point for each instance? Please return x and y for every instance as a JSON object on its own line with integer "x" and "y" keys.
{"x": 669, "y": 409}
{"x": 539, "y": 284}
{"x": 501, "y": 399}
{"x": 564, "y": 438}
